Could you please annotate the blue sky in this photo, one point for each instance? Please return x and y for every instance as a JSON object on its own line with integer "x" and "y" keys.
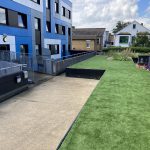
{"x": 143, "y": 5}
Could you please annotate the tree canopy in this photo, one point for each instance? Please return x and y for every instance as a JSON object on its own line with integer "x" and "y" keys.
{"x": 142, "y": 39}
{"x": 120, "y": 25}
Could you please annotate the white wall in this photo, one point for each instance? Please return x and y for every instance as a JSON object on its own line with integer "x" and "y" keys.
{"x": 31, "y": 4}
{"x": 10, "y": 41}
{"x": 117, "y": 41}
{"x": 52, "y": 42}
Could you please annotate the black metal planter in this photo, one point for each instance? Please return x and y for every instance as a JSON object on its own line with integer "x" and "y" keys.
{"x": 85, "y": 73}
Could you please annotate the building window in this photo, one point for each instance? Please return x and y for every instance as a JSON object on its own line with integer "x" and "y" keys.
{"x": 22, "y": 20}
{"x": 124, "y": 40}
{"x": 69, "y": 47}
{"x": 69, "y": 14}
{"x": 4, "y": 47}
{"x": 24, "y": 49}
{"x": 69, "y": 31}
{"x": 56, "y": 28}
{"x": 98, "y": 41}
{"x": 3, "y": 16}
{"x": 63, "y": 11}
{"x": 36, "y": 1}
{"x": 48, "y": 4}
{"x": 37, "y": 24}
{"x": 54, "y": 49}
{"x": 88, "y": 43}
{"x": 56, "y": 6}
{"x": 63, "y": 30}
{"x": 134, "y": 26}
{"x": 48, "y": 26}
{"x": 38, "y": 49}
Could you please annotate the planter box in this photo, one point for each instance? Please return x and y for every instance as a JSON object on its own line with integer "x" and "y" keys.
{"x": 135, "y": 60}
{"x": 84, "y": 73}
{"x": 143, "y": 60}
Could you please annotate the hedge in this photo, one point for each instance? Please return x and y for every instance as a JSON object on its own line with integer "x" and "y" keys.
{"x": 134, "y": 49}
{"x": 113, "y": 48}
{"x": 140, "y": 49}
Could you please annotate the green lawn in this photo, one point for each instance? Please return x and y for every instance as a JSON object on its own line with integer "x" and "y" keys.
{"x": 117, "y": 114}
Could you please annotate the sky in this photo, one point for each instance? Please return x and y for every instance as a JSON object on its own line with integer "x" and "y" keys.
{"x": 106, "y": 13}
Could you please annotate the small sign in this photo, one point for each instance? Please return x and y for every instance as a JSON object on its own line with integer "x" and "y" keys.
{"x": 4, "y": 38}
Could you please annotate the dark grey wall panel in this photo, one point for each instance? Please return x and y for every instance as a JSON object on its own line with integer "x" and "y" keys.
{"x": 37, "y": 37}
{"x": 12, "y": 18}
{"x": 48, "y": 15}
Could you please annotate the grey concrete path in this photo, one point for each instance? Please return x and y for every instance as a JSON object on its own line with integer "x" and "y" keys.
{"x": 38, "y": 118}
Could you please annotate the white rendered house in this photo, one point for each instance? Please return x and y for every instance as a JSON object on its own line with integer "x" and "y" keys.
{"x": 125, "y": 36}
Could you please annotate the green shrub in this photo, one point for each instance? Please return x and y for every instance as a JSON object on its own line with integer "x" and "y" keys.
{"x": 114, "y": 49}
{"x": 133, "y": 49}
{"x": 140, "y": 49}
{"x": 125, "y": 55}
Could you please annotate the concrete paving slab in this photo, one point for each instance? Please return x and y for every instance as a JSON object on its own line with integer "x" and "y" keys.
{"x": 39, "y": 118}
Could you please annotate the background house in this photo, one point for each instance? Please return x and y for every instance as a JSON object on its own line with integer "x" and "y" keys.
{"x": 88, "y": 39}
{"x": 126, "y": 36}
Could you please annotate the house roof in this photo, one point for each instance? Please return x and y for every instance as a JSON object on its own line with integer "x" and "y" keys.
{"x": 87, "y": 33}
{"x": 118, "y": 33}
{"x": 124, "y": 33}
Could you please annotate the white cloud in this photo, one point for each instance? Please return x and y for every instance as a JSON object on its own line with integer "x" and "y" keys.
{"x": 105, "y": 13}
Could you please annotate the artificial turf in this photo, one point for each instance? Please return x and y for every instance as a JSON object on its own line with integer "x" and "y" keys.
{"x": 117, "y": 114}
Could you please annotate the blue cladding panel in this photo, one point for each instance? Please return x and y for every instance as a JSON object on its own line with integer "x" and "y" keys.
{"x": 24, "y": 36}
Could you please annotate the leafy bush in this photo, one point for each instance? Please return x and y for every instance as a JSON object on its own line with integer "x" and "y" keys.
{"x": 114, "y": 49}
{"x": 133, "y": 49}
{"x": 140, "y": 49}
{"x": 125, "y": 55}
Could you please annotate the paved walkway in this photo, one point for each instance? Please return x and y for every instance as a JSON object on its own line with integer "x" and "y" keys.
{"x": 38, "y": 118}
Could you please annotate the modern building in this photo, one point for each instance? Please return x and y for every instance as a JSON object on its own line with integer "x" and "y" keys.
{"x": 36, "y": 27}
{"x": 125, "y": 37}
{"x": 89, "y": 39}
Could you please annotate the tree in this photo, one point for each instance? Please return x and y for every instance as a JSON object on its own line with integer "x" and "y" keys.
{"x": 142, "y": 39}
{"x": 119, "y": 26}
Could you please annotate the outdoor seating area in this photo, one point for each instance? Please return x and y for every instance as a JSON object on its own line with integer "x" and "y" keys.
{"x": 144, "y": 62}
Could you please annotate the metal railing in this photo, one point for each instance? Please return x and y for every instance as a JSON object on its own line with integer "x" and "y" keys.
{"x": 59, "y": 66}
{"x": 30, "y": 63}
{"x": 10, "y": 70}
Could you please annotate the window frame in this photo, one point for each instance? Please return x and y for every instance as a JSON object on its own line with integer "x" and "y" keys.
{"x": 123, "y": 37}
{"x": 26, "y": 48}
{"x": 54, "y": 51}
{"x": 57, "y": 6}
{"x": 39, "y": 49}
{"x": 88, "y": 43}
{"x": 36, "y": 1}
{"x": 24, "y": 20}
{"x": 48, "y": 26}
{"x": 6, "y": 16}
{"x": 134, "y": 26}
{"x": 38, "y": 23}
{"x": 47, "y": 4}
